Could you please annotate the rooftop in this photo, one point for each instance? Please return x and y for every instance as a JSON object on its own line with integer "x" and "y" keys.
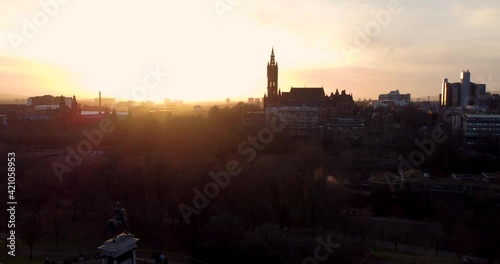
{"x": 471, "y": 177}
{"x": 308, "y": 92}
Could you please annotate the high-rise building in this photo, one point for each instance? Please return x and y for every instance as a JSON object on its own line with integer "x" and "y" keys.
{"x": 464, "y": 93}
{"x": 465, "y": 88}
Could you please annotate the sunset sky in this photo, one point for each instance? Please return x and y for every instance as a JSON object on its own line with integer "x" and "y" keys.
{"x": 217, "y": 49}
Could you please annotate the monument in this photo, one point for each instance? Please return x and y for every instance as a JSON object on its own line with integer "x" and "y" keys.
{"x": 121, "y": 248}
{"x": 119, "y": 220}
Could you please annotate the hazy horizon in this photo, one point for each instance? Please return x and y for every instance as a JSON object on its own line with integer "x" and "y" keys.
{"x": 215, "y": 50}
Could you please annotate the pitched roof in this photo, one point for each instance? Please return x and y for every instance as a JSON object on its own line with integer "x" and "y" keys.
{"x": 307, "y": 92}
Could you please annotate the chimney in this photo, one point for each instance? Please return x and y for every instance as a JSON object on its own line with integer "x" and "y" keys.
{"x": 99, "y": 102}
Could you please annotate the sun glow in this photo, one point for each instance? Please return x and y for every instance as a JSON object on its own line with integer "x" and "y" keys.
{"x": 91, "y": 46}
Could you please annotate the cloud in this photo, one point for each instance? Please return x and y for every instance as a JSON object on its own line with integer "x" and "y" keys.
{"x": 31, "y": 77}
{"x": 109, "y": 43}
{"x": 484, "y": 20}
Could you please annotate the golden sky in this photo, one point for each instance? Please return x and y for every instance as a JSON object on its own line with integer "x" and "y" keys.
{"x": 215, "y": 49}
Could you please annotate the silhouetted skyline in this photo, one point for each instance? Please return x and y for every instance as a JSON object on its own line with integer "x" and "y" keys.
{"x": 214, "y": 50}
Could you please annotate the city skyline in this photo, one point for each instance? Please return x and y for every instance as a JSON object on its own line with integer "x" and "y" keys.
{"x": 219, "y": 49}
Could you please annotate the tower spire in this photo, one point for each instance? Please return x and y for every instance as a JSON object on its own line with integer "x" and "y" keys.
{"x": 272, "y": 57}
{"x": 272, "y": 82}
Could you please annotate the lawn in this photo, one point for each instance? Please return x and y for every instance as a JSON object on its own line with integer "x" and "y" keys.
{"x": 7, "y": 259}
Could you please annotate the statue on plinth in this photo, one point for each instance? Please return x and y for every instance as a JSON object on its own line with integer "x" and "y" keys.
{"x": 118, "y": 222}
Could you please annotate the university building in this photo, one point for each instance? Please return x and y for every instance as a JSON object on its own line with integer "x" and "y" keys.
{"x": 308, "y": 110}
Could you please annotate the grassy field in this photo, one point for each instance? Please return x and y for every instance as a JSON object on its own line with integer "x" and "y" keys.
{"x": 75, "y": 236}
{"x": 7, "y": 259}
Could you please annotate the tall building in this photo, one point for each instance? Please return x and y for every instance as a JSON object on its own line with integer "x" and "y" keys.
{"x": 464, "y": 93}
{"x": 450, "y": 94}
{"x": 464, "y": 88}
{"x": 272, "y": 82}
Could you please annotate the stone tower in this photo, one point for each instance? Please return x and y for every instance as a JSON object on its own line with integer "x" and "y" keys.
{"x": 272, "y": 83}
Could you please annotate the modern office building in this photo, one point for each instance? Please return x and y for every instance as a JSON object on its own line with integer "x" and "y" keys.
{"x": 494, "y": 104}
{"x": 464, "y": 93}
{"x": 480, "y": 130}
{"x": 465, "y": 90}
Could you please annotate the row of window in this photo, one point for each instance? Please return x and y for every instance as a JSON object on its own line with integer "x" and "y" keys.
{"x": 483, "y": 128}
{"x": 483, "y": 124}
{"x": 482, "y": 120}
{"x": 303, "y": 125}
{"x": 470, "y": 134}
{"x": 301, "y": 113}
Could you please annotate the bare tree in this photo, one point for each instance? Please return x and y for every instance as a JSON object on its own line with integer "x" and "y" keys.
{"x": 55, "y": 219}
